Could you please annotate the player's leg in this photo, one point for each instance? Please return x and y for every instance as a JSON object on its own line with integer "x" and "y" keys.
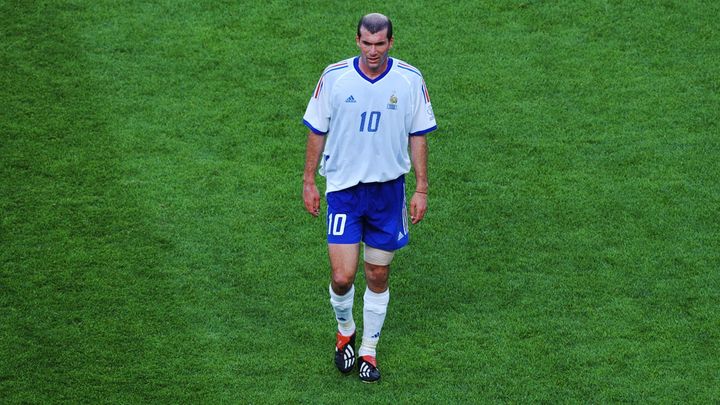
{"x": 375, "y": 303}
{"x": 385, "y": 231}
{"x": 344, "y": 229}
{"x": 344, "y": 261}
{"x": 377, "y": 276}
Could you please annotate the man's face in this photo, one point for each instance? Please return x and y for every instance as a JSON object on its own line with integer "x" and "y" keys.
{"x": 374, "y": 49}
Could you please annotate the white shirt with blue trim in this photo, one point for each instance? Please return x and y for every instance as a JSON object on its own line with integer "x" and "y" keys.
{"x": 367, "y": 122}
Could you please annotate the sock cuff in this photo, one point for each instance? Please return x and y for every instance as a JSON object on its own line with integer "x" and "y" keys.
{"x": 348, "y": 297}
{"x": 376, "y": 299}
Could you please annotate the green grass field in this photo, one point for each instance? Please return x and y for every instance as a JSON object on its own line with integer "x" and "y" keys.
{"x": 155, "y": 249}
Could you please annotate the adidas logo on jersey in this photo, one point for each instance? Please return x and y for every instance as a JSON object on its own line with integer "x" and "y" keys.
{"x": 350, "y": 99}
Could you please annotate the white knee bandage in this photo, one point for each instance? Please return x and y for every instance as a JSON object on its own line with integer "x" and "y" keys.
{"x": 378, "y": 257}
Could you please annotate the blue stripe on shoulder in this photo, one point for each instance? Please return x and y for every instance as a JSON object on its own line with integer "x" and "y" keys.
{"x": 335, "y": 68}
{"x": 411, "y": 70}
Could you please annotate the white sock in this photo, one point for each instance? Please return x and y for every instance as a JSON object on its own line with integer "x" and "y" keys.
{"x": 343, "y": 305}
{"x": 374, "y": 309}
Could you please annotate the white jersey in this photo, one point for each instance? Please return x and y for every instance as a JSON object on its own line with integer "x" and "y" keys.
{"x": 367, "y": 121}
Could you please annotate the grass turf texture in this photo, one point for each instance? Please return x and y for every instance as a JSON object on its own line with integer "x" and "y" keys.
{"x": 155, "y": 248}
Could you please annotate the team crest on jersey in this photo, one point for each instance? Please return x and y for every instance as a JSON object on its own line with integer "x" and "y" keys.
{"x": 392, "y": 104}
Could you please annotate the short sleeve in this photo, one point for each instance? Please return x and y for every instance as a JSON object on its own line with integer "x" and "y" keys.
{"x": 423, "y": 119}
{"x": 317, "y": 113}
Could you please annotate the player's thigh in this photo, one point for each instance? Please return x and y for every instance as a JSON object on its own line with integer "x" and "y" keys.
{"x": 344, "y": 263}
{"x": 344, "y": 257}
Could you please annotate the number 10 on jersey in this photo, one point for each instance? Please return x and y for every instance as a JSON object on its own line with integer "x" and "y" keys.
{"x": 373, "y": 121}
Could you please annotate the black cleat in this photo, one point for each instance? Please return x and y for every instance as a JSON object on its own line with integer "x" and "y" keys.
{"x": 369, "y": 372}
{"x": 345, "y": 353}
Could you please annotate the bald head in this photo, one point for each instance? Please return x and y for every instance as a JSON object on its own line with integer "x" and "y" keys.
{"x": 375, "y": 23}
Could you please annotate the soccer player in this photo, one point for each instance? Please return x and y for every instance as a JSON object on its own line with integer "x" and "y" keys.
{"x": 363, "y": 115}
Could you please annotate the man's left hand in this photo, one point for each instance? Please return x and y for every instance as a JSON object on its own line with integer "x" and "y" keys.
{"x": 418, "y": 207}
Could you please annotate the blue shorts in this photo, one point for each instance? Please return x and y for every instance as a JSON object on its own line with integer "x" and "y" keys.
{"x": 374, "y": 213}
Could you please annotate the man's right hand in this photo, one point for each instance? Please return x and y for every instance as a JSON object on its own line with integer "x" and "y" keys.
{"x": 311, "y": 198}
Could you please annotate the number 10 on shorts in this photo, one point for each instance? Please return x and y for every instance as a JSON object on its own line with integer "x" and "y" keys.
{"x": 336, "y": 224}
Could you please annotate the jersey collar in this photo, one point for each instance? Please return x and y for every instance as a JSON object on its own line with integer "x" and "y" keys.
{"x": 356, "y": 63}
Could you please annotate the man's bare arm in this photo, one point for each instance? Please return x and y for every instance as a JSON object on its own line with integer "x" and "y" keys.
{"x": 419, "y": 155}
{"x": 311, "y": 196}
